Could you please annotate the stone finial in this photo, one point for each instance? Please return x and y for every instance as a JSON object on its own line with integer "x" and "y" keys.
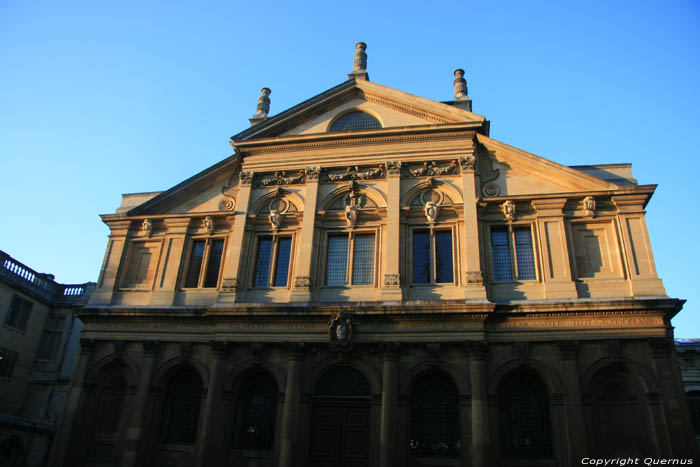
{"x": 263, "y": 107}
{"x": 359, "y": 70}
{"x": 460, "y": 83}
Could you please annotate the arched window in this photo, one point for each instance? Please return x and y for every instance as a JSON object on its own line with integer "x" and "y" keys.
{"x": 693, "y": 398}
{"x": 181, "y": 410}
{"x": 524, "y": 417}
{"x": 355, "y": 121}
{"x": 256, "y": 409}
{"x": 435, "y": 417}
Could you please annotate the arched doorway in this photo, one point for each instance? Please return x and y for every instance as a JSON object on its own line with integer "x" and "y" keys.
{"x": 340, "y": 420}
{"x": 112, "y": 388}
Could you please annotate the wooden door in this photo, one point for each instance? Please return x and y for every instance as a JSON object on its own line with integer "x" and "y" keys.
{"x": 339, "y": 433}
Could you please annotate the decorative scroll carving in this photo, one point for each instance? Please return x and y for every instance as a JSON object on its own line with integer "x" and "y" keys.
{"x": 392, "y": 280}
{"x": 474, "y": 277}
{"x": 208, "y": 224}
{"x": 354, "y": 173}
{"x": 246, "y": 177}
{"x": 568, "y": 350}
{"x": 508, "y": 208}
{"x": 219, "y": 348}
{"x": 389, "y": 350}
{"x": 302, "y": 282}
{"x": 340, "y": 332}
{"x": 312, "y": 173}
{"x": 432, "y": 169}
{"x": 491, "y": 189}
{"x": 467, "y": 163}
{"x": 477, "y": 349}
{"x": 230, "y": 285}
{"x": 147, "y": 227}
{"x": 589, "y": 206}
{"x": 150, "y": 348}
{"x": 229, "y": 191}
{"x": 282, "y": 178}
{"x": 487, "y": 173}
{"x": 393, "y": 168}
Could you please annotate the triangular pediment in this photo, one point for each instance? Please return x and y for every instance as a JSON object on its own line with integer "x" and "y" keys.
{"x": 508, "y": 171}
{"x": 393, "y": 109}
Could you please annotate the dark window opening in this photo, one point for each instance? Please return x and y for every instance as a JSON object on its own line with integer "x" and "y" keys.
{"x": 435, "y": 417}
{"x": 18, "y": 313}
{"x": 256, "y": 410}
{"x": 181, "y": 409}
{"x": 432, "y": 257}
{"x": 204, "y": 264}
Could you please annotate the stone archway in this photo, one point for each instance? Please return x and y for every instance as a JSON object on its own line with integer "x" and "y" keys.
{"x": 340, "y": 419}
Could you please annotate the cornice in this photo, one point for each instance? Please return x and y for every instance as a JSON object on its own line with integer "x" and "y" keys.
{"x": 642, "y": 192}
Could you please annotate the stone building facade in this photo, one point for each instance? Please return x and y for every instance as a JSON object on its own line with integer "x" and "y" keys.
{"x": 39, "y": 335}
{"x": 371, "y": 280}
{"x": 688, "y": 351}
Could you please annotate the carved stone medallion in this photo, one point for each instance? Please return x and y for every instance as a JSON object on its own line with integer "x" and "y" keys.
{"x": 340, "y": 332}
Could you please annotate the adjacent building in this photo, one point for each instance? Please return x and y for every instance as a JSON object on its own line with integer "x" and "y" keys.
{"x": 689, "y": 361}
{"x": 39, "y": 336}
{"x": 372, "y": 280}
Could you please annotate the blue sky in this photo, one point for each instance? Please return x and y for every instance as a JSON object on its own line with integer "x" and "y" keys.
{"x": 103, "y": 98}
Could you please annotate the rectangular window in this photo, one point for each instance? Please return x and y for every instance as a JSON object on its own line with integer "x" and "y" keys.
{"x": 51, "y": 340}
{"x": 7, "y": 362}
{"x": 18, "y": 313}
{"x": 272, "y": 251}
{"x": 432, "y": 257}
{"x": 512, "y": 254}
{"x": 204, "y": 265}
{"x": 360, "y": 270}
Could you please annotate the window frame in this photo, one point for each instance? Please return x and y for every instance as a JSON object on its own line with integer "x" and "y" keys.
{"x": 432, "y": 229}
{"x": 8, "y": 360}
{"x": 51, "y": 332}
{"x": 350, "y": 264}
{"x": 275, "y": 236}
{"x": 512, "y": 251}
{"x": 26, "y": 305}
{"x": 203, "y": 269}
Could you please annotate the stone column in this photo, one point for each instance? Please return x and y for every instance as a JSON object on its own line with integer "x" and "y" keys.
{"x": 473, "y": 280}
{"x": 556, "y": 267}
{"x": 231, "y": 284}
{"x": 138, "y": 404}
{"x": 65, "y": 431}
{"x": 208, "y": 436}
{"x": 302, "y": 275}
{"x": 576, "y": 428}
{"x": 390, "y": 382}
{"x": 480, "y": 409}
{"x": 290, "y": 417}
{"x": 391, "y": 284}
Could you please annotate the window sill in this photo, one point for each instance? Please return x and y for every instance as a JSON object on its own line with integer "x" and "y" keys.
{"x": 516, "y": 282}
{"x": 199, "y": 289}
{"x": 14, "y": 329}
{"x": 348, "y": 287}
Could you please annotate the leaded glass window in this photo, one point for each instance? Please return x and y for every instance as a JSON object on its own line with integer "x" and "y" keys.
{"x": 355, "y": 121}
{"x": 360, "y": 249}
{"x": 524, "y": 417}
{"x": 272, "y": 261}
{"x": 435, "y": 417}
{"x": 432, "y": 257}
{"x": 512, "y": 254}
{"x": 204, "y": 265}
{"x": 181, "y": 408}
{"x": 255, "y": 414}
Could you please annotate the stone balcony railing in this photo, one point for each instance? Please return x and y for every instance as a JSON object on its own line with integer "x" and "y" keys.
{"x": 43, "y": 285}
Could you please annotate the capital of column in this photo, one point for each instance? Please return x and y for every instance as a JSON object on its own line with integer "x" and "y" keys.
{"x": 219, "y": 349}
{"x": 660, "y": 347}
{"x": 150, "y": 348}
{"x": 568, "y": 350}
{"x": 296, "y": 350}
{"x": 477, "y": 350}
{"x": 393, "y": 168}
{"x": 312, "y": 173}
{"x": 389, "y": 351}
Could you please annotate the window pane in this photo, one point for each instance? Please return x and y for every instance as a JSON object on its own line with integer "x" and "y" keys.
{"x": 336, "y": 268}
{"x": 443, "y": 256}
{"x": 262, "y": 263}
{"x": 524, "y": 255}
{"x": 363, "y": 260}
{"x": 195, "y": 264}
{"x": 284, "y": 247}
{"x": 501, "y": 255}
{"x": 421, "y": 257}
{"x": 356, "y": 121}
{"x": 215, "y": 253}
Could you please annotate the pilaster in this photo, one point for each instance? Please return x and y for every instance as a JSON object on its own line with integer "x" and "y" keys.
{"x": 554, "y": 251}
{"x": 576, "y": 428}
{"x": 391, "y": 282}
{"x": 301, "y": 291}
{"x": 110, "y": 265}
{"x": 390, "y": 381}
{"x": 471, "y": 262}
{"x": 209, "y": 434}
{"x": 231, "y": 284}
{"x": 292, "y": 400}
{"x": 480, "y": 409}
